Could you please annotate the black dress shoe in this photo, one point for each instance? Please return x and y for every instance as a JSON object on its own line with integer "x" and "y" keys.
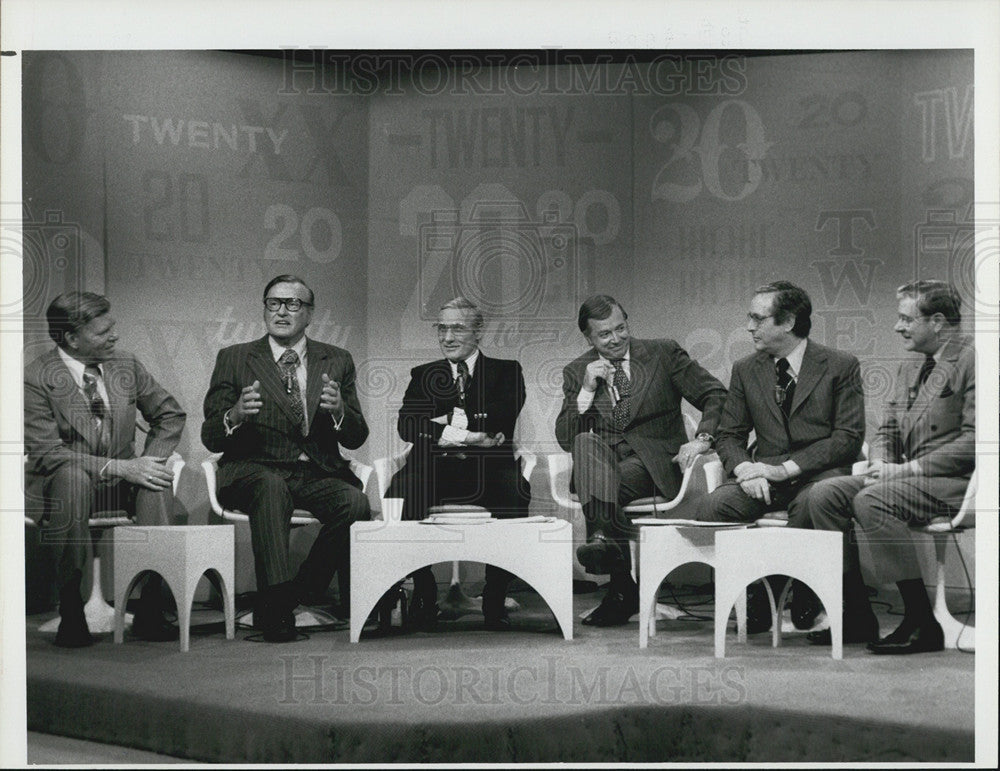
{"x": 758, "y": 609}
{"x": 422, "y": 616}
{"x": 617, "y": 607}
{"x": 274, "y": 613}
{"x": 151, "y": 625}
{"x": 73, "y": 632}
{"x": 497, "y": 622}
{"x": 805, "y": 606}
{"x": 858, "y": 630}
{"x": 928, "y": 637}
{"x": 599, "y": 556}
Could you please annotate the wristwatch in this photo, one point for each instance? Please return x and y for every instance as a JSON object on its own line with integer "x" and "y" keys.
{"x": 703, "y": 437}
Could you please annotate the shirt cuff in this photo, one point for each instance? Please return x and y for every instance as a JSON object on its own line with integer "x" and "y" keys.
{"x": 453, "y": 437}
{"x": 104, "y": 468}
{"x": 913, "y": 468}
{"x": 584, "y": 399}
{"x": 229, "y": 426}
{"x": 791, "y": 468}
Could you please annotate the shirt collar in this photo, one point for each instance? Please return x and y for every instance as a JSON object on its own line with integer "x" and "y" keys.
{"x": 470, "y": 362}
{"x": 795, "y": 358}
{"x": 626, "y": 359}
{"x": 76, "y": 367}
{"x": 277, "y": 349}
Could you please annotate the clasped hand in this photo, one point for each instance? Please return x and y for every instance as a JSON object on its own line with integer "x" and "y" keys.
{"x": 330, "y": 399}
{"x": 146, "y": 471}
{"x": 755, "y": 479}
{"x": 688, "y": 452}
{"x": 881, "y": 471}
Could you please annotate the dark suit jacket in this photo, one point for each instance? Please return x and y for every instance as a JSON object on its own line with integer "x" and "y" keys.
{"x": 273, "y": 436}
{"x": 826, "y": 425}
{"x": 59, "y": 428}
{"x": 939, "y": 430}
{"x": 494, "y": 398}
{"x": 661, "y": 373}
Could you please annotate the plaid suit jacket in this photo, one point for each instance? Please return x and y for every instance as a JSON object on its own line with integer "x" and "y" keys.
{"x": 272, "y": 436}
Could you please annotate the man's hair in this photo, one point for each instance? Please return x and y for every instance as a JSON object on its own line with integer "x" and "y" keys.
{"x": 288, "y": 278}
{"x": 934, "y": 296}
{"x": 790, "y": 301}
{"x": 72, "y": 310}
{"x": 598, "y": 308}
{"x": 465, "y": 304}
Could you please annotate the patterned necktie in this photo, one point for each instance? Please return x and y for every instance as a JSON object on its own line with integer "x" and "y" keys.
{"x": 925, "y": 372}
{"x": 622, "y": 411}
{"x": 784, "y": 391}
{"x": 288, "y": 362}
{"x": 462, "y": 382}
{"x": 98, "y": 409}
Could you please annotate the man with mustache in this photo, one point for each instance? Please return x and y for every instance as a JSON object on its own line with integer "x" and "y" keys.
{"x": 80, "y": 403}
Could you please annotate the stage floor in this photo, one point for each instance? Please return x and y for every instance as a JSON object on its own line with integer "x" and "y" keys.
{"x": 462, "y": 694}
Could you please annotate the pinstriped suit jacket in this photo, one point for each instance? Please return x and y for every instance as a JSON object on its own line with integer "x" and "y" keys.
{"x": 826, "y": 424}
{"x": 273, "y": 436}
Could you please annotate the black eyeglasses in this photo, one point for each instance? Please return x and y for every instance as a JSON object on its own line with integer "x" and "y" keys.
{"x": 292, "y": 303}
{"x": 757, "y": 318}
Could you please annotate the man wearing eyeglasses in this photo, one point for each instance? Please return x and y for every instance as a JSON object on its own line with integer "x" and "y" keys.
{"x": 459, "y": 413}
{"x": 804, "y": 402}
{"x": 279, "y": 409}
{"x": 621, "y": 420}
{"x": 921, "y": 461}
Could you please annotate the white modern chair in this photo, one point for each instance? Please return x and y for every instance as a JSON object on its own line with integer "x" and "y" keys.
{"x": 304, "y": 616}
{"x": 99, "y": 614}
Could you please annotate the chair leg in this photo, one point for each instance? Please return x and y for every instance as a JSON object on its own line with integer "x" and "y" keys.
{"x": 956, "y": 634}
{"x": 100, "y": 615}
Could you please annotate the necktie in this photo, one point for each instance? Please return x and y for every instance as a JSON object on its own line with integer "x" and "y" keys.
{"x": 462, "y": 382}
{"x": 288, "y": 362}
{"x": 98, "y": 409}
{"x": 784, "y": 391}
{"x": 925, "y": 372}
{"x": 622, "y": 411}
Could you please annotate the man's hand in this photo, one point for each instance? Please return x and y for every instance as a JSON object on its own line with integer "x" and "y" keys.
{"x": 747, "y": 471}
{"x": 482, "y": 439}
{"x": 248, "y": 404}
{"x": 880, "y": 471}
{"x": 151, "y": 473}
{"x": 688, "y": 452}
{"x": 330, "y": 399}
{"x": 758, "y": 488}
{"x": 597, "y": 370}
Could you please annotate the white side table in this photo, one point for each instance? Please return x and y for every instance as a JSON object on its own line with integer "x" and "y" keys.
{"x": 181, "y": 554}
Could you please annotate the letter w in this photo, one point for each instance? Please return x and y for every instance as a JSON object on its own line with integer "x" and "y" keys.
{"x": 851, "y": 273}
{"x": 160, "y": 132}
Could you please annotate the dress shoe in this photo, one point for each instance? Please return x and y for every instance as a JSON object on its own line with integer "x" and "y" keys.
{"x": 150, "y": 624}
{"x": 422, "y": 615}
{"x": 73, "y": 631}
{"x": 857, "y": 629}
{"x": 274, "y": 614}
{"x": 497, "y": 622}
{"x": 617, "y": 607}
{"x": 925, "y": 638}
{"x": 495, "y": 609}
{"x": 805, "y": 606}
{"x": 599, "y": 556}
{"x": 758, "y": 609}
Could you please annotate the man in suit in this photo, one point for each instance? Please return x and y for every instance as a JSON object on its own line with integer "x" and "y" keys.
{"x": 805, "y": 404}
{"x": 279, "y": 409}
{"x": 621, "y": 420}
{"x": 459, "y": 413}
{"x": 920, "y": 464}
{"x": 80, "y": 403}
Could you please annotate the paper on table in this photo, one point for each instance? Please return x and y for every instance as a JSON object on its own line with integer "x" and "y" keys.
{"x": 685, "y": 522}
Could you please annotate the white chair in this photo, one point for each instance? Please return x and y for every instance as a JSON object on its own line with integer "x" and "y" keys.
{"x": 537, "y": 550}
{"x": 304, "y": 616}
{"x": 747, "y": 555}
{"x": 101, "y": 616}
{"x": 456, "y": 603}
{"x": 956, "y": 634}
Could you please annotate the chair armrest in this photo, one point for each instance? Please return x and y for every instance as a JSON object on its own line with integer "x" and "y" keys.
{"x": 528, "y": 462}
{"x": 560, "y": 466}
{"x": 715, "y": 474}
{"x": 363, "y": 472}
{"x": 858, "y": 468}
{"x": 209, "y": 466}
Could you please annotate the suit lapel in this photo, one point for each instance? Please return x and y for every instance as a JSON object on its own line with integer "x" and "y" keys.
{"x": 813, "y": 370}
{"x": 642, "y": 368}
{"x": 66, "y": 398}
{"x": 115, "y": 381}
{"x": 316, "y": 364}
{"x": 764, "y": 375}
{"x": 940, "y": 376}
{"x": 262, "y": 365}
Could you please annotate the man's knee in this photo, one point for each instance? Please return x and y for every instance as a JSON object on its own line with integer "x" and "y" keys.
{"x": 356, "y": 505}
{"x": 728, "y": 503}
{"x": 70, "y": 478}
{"x": 69, "y": 493}
{"x": 586, "y": 443}
{"x": 828, "y": 503}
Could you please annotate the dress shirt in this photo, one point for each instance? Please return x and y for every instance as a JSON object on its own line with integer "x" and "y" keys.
{"x": 454, "y": 435}
{"x": 585, "y": 398}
